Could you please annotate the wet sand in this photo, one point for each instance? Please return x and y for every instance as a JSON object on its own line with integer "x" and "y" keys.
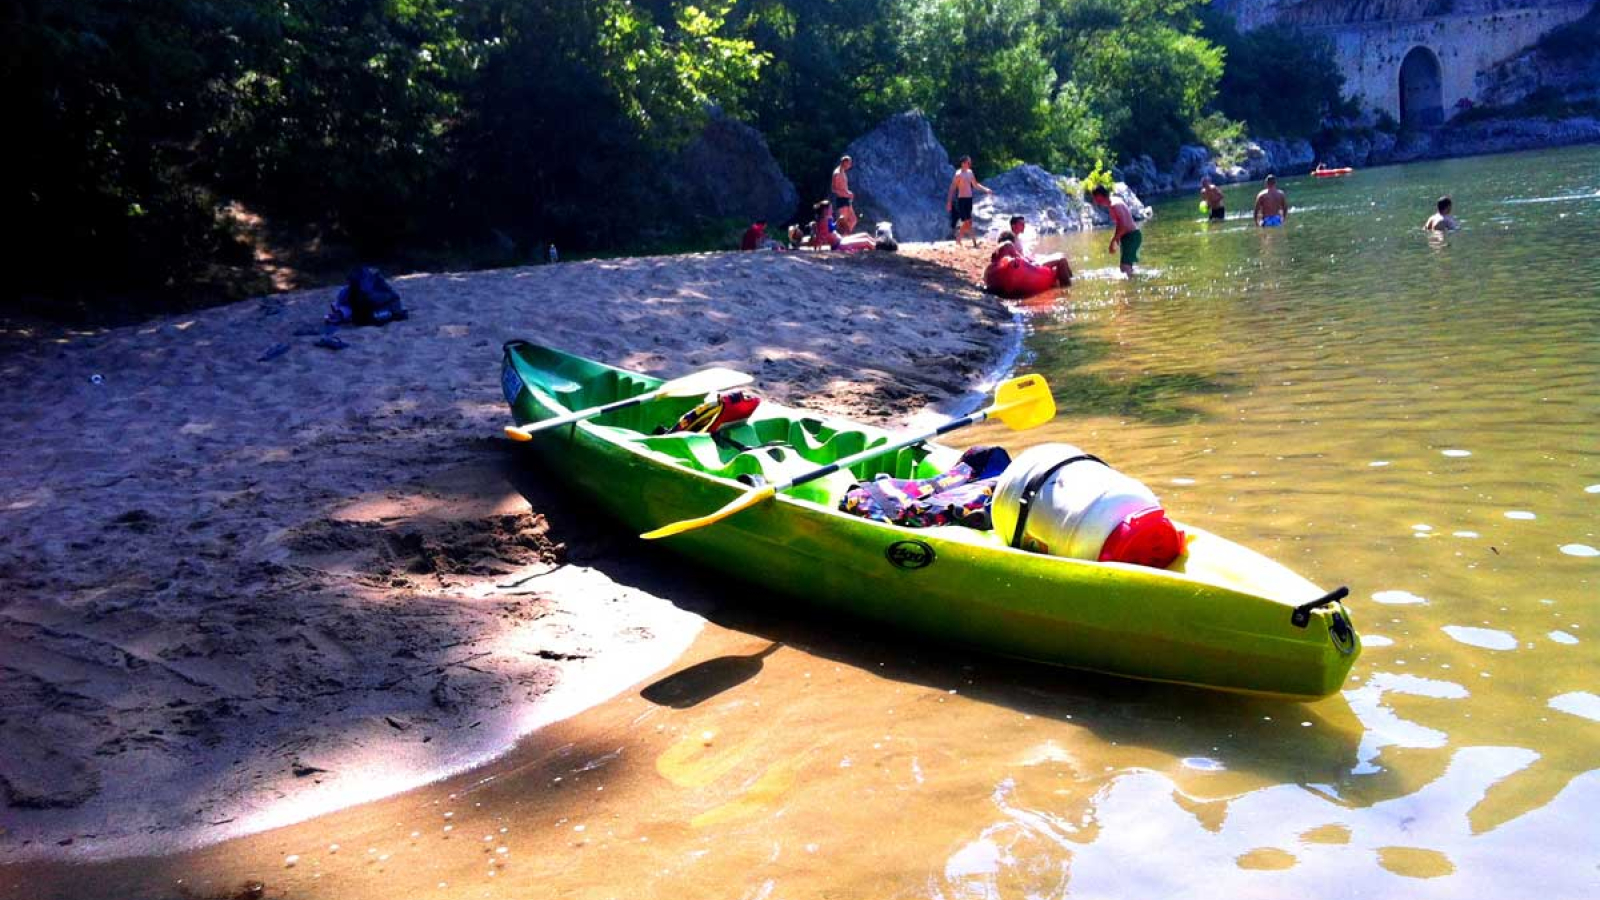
{"x": 239, "y": 592}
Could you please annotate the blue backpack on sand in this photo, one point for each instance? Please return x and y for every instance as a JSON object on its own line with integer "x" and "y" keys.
{"x": 366, "y": 299}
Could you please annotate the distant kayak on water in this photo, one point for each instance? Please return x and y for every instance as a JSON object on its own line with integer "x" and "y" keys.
{"x": 1331, "y": 173}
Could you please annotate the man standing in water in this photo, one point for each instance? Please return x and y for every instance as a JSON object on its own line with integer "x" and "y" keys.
{"x": 1124, "y": 230}
{"x": 1272, "y": 207}
{"x": 1442, "y": 220}
{"x": 959, "y": 200}
{"x": 1212, "y": 195}
{"x": 843, "y": 206}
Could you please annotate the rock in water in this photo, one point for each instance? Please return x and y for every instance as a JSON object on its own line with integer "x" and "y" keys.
{"x": 901, "y": 174}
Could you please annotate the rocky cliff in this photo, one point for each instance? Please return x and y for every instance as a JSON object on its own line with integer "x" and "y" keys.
{"x": 728, "y": 172}
{"x": 902, "y": 174}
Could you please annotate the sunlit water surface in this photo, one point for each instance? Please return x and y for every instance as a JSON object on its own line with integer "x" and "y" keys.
{"x": 1413, "y": 417}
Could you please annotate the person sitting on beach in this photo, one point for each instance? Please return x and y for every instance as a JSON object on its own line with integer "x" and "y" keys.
{"x": 958, "y": 201}
{"x": 1442, "y": 220}
{"x": 754, "y": 236}
{"x": 1272, "y": 206}
{"x": 843, "y": 197}
{"x": 1125, "y": 231}
{"x": 1019, "y": 225}
{"x": 822, "y": 228}
{"x": 1008, "y": 247}
{"x": 1212, "y": 195}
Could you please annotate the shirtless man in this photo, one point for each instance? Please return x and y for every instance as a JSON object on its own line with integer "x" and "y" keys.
{"x": 1212, "y": 195}
{"x": 1442, "y": 220}
{"x": 1056, "y": 261}
{"x": 1272, "y": 207}
{"x": 843, "y": 206}
{"x": 959, "y": 200}
{"x": 1124, "y": 230}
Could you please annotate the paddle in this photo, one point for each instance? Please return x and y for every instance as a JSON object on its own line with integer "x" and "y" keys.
{"x": 702, "y": 382}
{"x": 1021, "y": 403}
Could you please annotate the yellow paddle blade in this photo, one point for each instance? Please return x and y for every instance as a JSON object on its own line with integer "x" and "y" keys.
{"x": 518, "y": 433}
{"x": 1023, "y": 402}
{"x": 744, "y": 502}
{"x": 704, "y": 381}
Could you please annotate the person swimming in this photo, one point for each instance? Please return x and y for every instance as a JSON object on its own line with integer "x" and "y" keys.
{"x": 1442, "y": 220}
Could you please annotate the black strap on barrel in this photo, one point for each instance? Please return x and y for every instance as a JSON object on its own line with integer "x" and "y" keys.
{"x": 1035, "y": 485}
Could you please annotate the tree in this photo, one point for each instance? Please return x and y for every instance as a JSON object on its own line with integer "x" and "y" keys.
{"x": 1279, "y": 81}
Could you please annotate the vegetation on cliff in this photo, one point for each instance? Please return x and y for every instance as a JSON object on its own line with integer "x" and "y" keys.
{"x": 153, "y": 134}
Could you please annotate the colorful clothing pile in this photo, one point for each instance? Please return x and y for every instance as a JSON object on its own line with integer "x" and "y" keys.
{"x": 958, "y": 496}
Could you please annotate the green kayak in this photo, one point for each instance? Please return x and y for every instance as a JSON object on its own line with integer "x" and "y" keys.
{"x": 1220, "y": 616}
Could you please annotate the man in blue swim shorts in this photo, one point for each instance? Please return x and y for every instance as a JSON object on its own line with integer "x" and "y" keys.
{"x": 1272, "y": 207}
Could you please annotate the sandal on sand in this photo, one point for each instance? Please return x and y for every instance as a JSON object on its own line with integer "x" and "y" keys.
{"x": 332, "y": 342}
{"x": 273, "y": 352}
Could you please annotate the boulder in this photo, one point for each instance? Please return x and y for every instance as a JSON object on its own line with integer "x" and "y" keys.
{"x": 1142, "y": 176}
{"x": 1381, "y": 149}
{"x": 728, "y": 172}
{"x": 1226, "y": 174}
{"x": 1267, "y": 157}
{"x": 900, "y": 174}
{"x": 1192, "y": 164}
{"x": 1051, "y": 203}
{"x": 1030, "y": 191}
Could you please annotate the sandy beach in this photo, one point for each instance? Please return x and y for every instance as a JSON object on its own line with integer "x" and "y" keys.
{"x": 237, "y": 592}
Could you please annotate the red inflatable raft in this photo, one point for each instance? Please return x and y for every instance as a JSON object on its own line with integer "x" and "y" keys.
{"x": 1330, "y": 173}
{"x": 1010, "y": 276}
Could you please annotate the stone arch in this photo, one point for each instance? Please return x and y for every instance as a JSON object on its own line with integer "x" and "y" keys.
{"x": 1421, "y": 89}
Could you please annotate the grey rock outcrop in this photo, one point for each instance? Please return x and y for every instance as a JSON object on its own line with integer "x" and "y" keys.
{"x": 1143, "y": 175}
{"x": 1051, "y": 203}
{"x": 900, "y": 174}
{"x": 1263, "y": 158}
{"x": 728, "y": 172}
{"x": 1506, "y": 135}
{"x": 1192, "y": 164}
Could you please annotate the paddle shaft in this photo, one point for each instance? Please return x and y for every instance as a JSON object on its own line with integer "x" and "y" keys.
{"x": 592, "y": 412}
{"x": 873, "y": 452}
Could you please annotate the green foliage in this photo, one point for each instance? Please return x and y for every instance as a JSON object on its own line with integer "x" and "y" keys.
{"x": 1152, "y": 82}
{"x": 412, "y": 126}
{"x": 1278, "y": 81}
{"x": 1225, "y": 137}
{"x": 1099, "y": 176}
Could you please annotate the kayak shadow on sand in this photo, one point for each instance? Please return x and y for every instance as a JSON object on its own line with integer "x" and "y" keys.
{"x": 1265, "y": 737}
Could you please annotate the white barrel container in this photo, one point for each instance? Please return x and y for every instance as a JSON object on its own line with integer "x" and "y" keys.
{"x": 1075, "y": 510}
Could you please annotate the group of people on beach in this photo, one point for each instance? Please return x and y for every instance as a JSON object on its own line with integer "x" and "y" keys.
{"x": 834, "y": 218}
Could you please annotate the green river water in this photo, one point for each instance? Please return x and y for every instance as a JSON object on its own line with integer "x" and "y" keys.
{"x": 1413, "y": 417}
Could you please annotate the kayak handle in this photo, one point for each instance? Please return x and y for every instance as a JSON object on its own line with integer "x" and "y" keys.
{"x": 1301, "y": 617}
